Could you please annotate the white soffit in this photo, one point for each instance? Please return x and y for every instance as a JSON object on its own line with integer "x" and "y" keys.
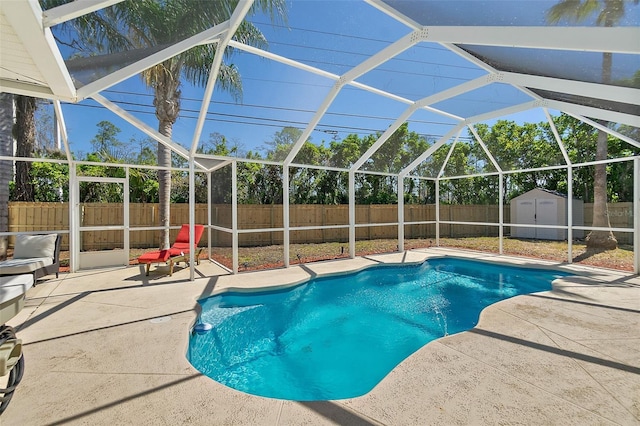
{"x": 31, "y": 62}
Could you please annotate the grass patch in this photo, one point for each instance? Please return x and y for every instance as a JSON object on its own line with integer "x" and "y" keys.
{"x": 252, "y": 258}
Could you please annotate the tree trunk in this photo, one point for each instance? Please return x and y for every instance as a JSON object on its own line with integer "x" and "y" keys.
{"x": 601, "y": 239}
{"x": 167, "y": 103}
{"x": 25, "y": 134}
{"x": 164, "y": 187}
{"x": 6, "y": 166}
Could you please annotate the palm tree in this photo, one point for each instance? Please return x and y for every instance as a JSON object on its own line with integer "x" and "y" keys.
{"x": 609, "y": 13}
{"x": 6, "y": 166}
{"x": 145, "y": 24}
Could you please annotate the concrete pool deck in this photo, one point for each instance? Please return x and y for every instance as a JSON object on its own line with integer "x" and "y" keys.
{"x": 108, "y": 347}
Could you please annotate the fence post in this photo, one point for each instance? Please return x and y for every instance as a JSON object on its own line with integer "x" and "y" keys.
{"x": 400, "y": 214}
{"x": 438, "y": 212}
{"x": 569, "y": 214}
{"x": 352, "y": 214}
{"x": 234, "y": 216}
{"x": 636, "y": 216}
{"x": 285, "y": 214}
{"x": 500, "y": 214}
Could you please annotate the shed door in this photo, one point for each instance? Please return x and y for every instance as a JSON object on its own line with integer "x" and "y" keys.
{"x": 547, "y": 214}
{"x": 526, "y": 215}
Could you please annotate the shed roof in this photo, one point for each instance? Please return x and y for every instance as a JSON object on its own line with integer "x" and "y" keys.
{"x": 535, "y": 191}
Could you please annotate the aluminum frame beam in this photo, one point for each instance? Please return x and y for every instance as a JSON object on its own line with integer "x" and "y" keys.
{"x": 144, "y": 127}
{"x": 422, "y": 103}
{"x": 485, "y": 149}
{"x": 504, "y": 111}
{"x": 233, "y": 23}
{"x": 415, "y": 163}
{"x": 72, "y": 10}
{"x": 583, "y": 39}
{"x": 556, "y": 135}
{"x": 367, "y": 65}
{"x": 151, "y": 60}
{"x": 602, "y": 114}
{"x": 388, "y": 10}
{"x": 612, "y": 132}
{"x": 446, "y": 159}
{"x": 328, "y": 75}
{"x": 62, "y": 128}
{"x": 627, "y": 95}
{"x": 283, "y": 60}
{"x": 27, "y": 89}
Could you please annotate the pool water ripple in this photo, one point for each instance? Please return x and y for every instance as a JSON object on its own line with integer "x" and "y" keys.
{"x": 336, "y": 337}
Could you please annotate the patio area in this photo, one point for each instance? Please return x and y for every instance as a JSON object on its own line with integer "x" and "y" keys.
{"x": 108, "y": 347}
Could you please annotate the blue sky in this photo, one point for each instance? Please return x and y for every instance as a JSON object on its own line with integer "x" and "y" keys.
{"x": 334, "y": 36}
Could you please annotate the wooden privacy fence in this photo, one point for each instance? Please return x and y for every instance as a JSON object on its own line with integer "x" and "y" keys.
{"x": 44, "y": 217}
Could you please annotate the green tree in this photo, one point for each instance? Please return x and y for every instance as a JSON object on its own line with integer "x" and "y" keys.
{"x": 147, "y": 24}
{"x": 531, "y": 146}
{"x": 220, "y": 189}
{"x": 402, "y": 147}
{"x": 455, "y": 191}
{"x": 99, "y": 192}
{"x": 143, "y": 183}
{"x": 105, "y": 143}
{"x": 622, "y": 173}
{"x": 333, "y": 188}
{"x": 608, "y": 13}
{"x": 523, "y": 146}
{"x": 268, "y": 185}
{"x": 346, "y": 152}
{"x": 50, "y": 180}
{"x": 305, "y": 182}
{"x": 29, "y": 136}
{"x": 45, "y": 126}
{"x": 279, "y": 146}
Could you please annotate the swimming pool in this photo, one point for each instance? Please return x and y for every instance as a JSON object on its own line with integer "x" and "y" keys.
{"x": 336, "y": 337}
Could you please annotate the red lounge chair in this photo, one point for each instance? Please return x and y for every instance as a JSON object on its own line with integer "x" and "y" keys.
{"x": 178, "y": 252}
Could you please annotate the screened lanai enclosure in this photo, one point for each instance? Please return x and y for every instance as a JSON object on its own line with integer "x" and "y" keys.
{"x": 278, "y": 122}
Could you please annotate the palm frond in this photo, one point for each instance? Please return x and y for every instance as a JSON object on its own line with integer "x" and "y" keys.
{"x": 249, "y": 34}
{"x": 277, "y": 10}
{"x": 611, "y": 13}
{"x": 606, "y": 12}
{"x": 230, "y": 81}
{"x": 572, "y": 10}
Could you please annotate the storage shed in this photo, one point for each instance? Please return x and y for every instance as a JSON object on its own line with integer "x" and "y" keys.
{"x": 544, "y": 207}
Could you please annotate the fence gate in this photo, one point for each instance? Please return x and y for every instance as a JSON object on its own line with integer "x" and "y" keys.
{"x": 101, "y": 238}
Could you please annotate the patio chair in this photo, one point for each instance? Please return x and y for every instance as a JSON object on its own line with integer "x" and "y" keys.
{"x": 38, "y": 255}
{"x": 178, "y": 252}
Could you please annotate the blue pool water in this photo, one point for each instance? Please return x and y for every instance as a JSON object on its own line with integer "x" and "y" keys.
{"x": 337, "y": 337}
